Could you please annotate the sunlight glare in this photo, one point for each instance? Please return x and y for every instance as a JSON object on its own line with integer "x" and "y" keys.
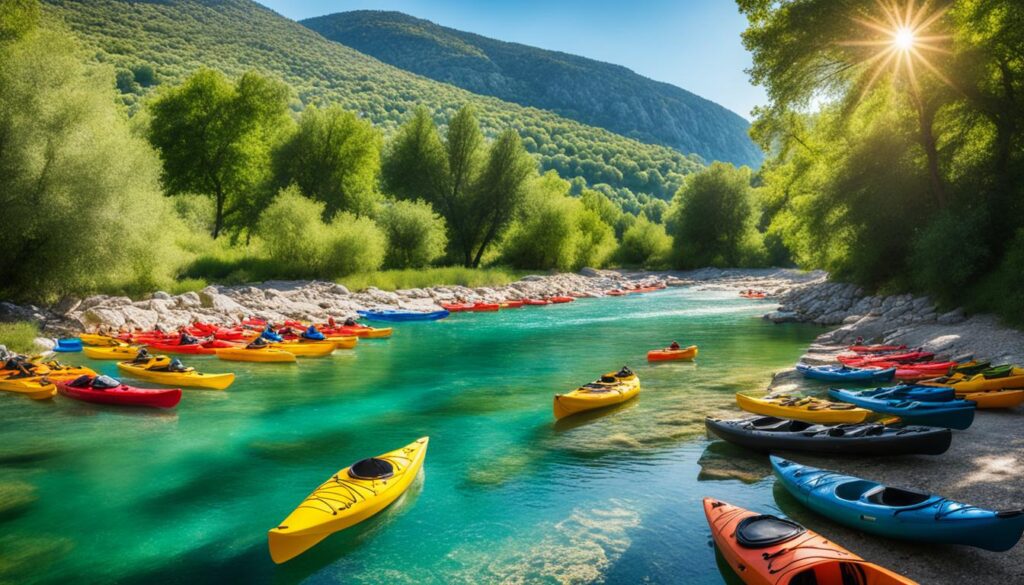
{"x": 904, "y": 39}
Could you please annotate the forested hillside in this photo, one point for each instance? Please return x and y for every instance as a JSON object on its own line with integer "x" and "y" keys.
{"x": 160, "y": 43}
{"x": 601, "y": 94}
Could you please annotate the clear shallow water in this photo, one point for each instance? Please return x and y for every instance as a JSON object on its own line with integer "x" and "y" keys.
{"x": 105, "y": 494}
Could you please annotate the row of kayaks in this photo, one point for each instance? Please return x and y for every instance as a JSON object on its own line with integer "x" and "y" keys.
{"x": 485, "y": 307}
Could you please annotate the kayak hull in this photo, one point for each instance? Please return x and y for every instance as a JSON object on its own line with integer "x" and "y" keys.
{"x": 898, "y": 513}
{"x": 953, "y": 414}
{"x": 343, "y": 501}
{"x": 995, "y": 398}
{"x": 805, "y": 558}
{"x": 765, "y": 434}
{"x": 124, "y": 395}
{"x": 402, "y": 316}
{"x": 584, "y": 399}
{"x": 307, "y": 348}
{"x": 845, "y": 374}
{"x": 806, "y": 409}
{"x": 191, "y": 379}
{"x": 34, "y": 388}
{"x": 267, "y": 355}
{"x": 667, "y": 355}
{"x": 118, "y": 352}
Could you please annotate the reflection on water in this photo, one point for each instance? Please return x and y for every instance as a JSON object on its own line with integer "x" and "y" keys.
{"x": 512, "y": 496}
{"x": 724, "y": 461}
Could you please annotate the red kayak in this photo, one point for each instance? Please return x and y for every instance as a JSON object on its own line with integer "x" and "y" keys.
{"x": 511, "y": 304}
{"x": 559, "y": 300}
{"x": 457, "y": 307}
{"x": 875, "y": 348}
{"x": 485, "y": 307}
{"x": 90, "y": 389}
{"x": 536, "y": 302}
{"x": 901, "y": 358}
{"x": 616, "y": 293}
{"x": 205, "y": 348}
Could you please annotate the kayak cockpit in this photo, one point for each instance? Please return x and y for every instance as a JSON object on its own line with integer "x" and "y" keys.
{"x": 896, "y": 497}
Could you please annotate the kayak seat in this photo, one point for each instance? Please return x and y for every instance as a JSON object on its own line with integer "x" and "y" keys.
{"x": 766, "y": 530}
{"x": 897, "y": 497}
{"x": 371, "y": 468}
{"x": 80, "y": 382}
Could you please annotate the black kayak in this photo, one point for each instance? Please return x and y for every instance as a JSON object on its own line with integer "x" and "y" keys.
{"x": 767, "y": 433}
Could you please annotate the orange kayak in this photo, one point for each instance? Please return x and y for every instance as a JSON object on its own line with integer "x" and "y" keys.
{"x": 669, "y": 354}
{"x": 765, "y": 550}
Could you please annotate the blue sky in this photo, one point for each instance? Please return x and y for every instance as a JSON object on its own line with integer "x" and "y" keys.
{"x": 694, "y": 44}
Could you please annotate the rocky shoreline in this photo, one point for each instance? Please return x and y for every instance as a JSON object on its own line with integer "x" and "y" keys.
{"x": 317, "y": 300}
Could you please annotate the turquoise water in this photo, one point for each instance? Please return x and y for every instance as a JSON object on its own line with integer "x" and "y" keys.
{"x": 106, "y": 494}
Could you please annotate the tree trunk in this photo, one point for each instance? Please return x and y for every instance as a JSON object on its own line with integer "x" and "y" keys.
{"x": 218, "y": 221}
{"x": 926, "y": 120}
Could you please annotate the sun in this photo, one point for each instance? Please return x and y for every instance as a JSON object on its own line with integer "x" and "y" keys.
{"x": 899, "y": 37}
{"x": 904, "y": 39}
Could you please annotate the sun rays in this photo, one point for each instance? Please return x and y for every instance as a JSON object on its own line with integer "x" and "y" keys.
{"x": 900, "y": 40}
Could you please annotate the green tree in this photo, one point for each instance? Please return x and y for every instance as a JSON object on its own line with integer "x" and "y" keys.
{"x": 81, "y": 195}
{"x": 215, "y": 138}
{"x": 476, "y": 187}
{"x": 17, "y": 17}
{"x": 292, "y": 231}
{"x": 334, "y": 157}
{"x": 416, "y": 235}
{"x": 413, "y": 164}
{"x": 713, "y": 219}
{"x": 646, "y": 244}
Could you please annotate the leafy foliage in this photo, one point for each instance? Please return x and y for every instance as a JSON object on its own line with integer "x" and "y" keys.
{"x": 80, "y": 194}
{"x": 333, "y": 157}
{"x": 477, "y": 188}
{"x": 416, "y": 235}
{"x": 595, "y": 93}
{"x": 713, "y": 220}
{"x": 554, "y": 230}
{"x": 910, "y": 177}
{"x": 19, "y": 337}
{"x": 646, "y": 244}
{"x": 215, "y": 138}
{"x": 179, "y": 38}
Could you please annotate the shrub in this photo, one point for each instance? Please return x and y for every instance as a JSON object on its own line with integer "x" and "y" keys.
{"x": 416, "y": 235}
{"x": 949, "y": 253}
{"x": 645, "y": 244}
{"x": 596, "y": 243}
{"x": 291, "y": 229}
{"x": 353, "y": 244}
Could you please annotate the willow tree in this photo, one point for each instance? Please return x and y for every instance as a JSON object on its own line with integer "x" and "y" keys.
{"x": 81, "y": 199}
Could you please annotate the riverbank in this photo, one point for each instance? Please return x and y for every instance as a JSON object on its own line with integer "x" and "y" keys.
{"x": 317, "y": 300}
{"x": 985, "y": 463}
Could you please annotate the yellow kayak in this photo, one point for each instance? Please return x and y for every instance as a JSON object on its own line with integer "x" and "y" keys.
{"x": 805, "y": 409}
{"x": 350, "y": 496}
{"x": 267, "y": 355}
{"x": 995, "y": 398}
{"x": 609, "y": 390}
{"x": 116, "y": 352}
{"x": 375, "y": 332}
{"x": 58, "y": 371}
{"x": 343, "y": 341}
{"x": 155, "y": 370}
{"x": 979, "y": 383}
{"x": 306, "y": 348}
{"x": 99, "y": 340}
{"x": 35, "y": 388}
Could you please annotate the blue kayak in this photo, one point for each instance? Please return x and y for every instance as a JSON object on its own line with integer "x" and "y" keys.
{"x": 910, "y": 392}
{"x": 898, "y": 512}
{"x": 846, "y": 373}
{"x": 70, "y": 344}
{"x": 392, "y": 315}
{"x": 952, "y": 414}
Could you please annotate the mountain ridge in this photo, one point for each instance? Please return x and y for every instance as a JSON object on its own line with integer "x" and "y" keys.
{"x": 178, "y": 37}
{"x": 570, "y": 85}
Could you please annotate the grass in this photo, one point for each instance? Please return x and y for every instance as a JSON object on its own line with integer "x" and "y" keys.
{"x": 19, "y": 336}
{"x": 424, "y": 277}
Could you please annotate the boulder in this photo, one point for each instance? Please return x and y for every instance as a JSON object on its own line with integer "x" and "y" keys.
{"x": 952, "y": 318}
